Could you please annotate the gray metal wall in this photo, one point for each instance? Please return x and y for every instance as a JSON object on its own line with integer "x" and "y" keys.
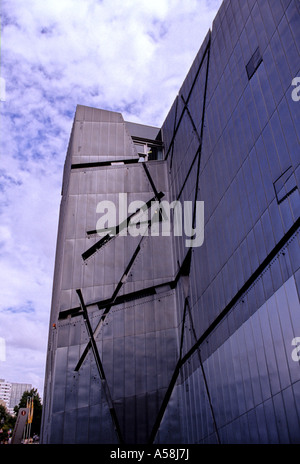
{"x": 236, "y": 381}
{"x": 194, "y": 345}
{"x": 136, "y": 338}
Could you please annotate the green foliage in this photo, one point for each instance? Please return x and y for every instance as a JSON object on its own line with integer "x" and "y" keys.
{"x": 7, "y": 423}
{"x": 3, "y": 413}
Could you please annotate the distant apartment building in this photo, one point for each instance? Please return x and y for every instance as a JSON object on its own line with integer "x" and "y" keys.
{"x": 17, "y": 390}
{"x": 5, "y": 389}
{"x": 11, "y": 393}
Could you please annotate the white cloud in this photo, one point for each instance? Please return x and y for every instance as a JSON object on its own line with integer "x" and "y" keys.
{"x": 125, "y": 55}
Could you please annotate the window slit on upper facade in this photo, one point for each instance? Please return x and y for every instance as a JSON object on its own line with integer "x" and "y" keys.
{"x": 254, "y": 62}
{"x": 148, "y": 151}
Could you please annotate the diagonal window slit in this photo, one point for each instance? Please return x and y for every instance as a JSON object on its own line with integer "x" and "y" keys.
{"x": 99, "y": 366}
{"x": 108, "y": 307}
{"x": 125, "y": 224}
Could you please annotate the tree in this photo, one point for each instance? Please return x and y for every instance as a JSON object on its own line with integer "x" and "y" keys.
{"x": 7, "y": 423}
{"x": 37, "y": 409}
{"x": 3, "y": 414}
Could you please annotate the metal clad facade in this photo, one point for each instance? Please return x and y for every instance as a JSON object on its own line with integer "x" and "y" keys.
{"x": 190, "y": 345}
{"x": 136, "y": 340}
{"x": 237, "y": 381}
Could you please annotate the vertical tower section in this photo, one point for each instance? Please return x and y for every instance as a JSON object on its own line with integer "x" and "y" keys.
{"x": 113, "y": 334}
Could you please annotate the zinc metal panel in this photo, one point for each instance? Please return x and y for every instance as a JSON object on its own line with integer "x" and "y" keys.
{"x": 218, "y": 401}
{"x": 76, "y": 139}
{"x": 70, "y": 218}
{"x": 226, "y": 405}
{"x": 261, "y": 358}
{"x": 81, "y": 216}
{"x": 151, "y": 369}
{"x": 140, "y": 364}
{"x": 111, "y": 181}
{"x": 112, "y": 145}
{"x": 284, "y": 300}
{"x": 84, "y": 337}
{"x": 119, "y": 172}
{"x": 98, "y": 262}
{"x": 118, "y": 387}
{"x": 130, "y": 421}
{"x": 63, "y": 334}
{"x": 253, "y": 428}
{"x": 278, "y": 343}
{"x": 281, "y": 419}
{"x": 109, "y": 261}
{"x": 108, "y": 291}
{"x": 74, "y": 333}
{"x": 92, "y": 200}
{"x": 245, "y": 371}
{"x": 88, "y": 273}
{"x": 160, "y": 361}
{"x": 139, "y": 327}
{"x": 108, "y": 360}
{"x": 133, "y": 180}
{"x": 120, "y": 263}
{"x": 64, "y": 300}
{"x": 192, "y": 410}
{"x": 70, "y": 421}
{"x": 118, "y": 318}
{"x": 169, "y": 430}
{"x": 293, "y": 303}
{"x": 91, "y": 181}
{"x": 101, "y": 183}
{"x": 171, "y": 351}
{"x": 73, "y": 185}
{"x": 271, "y": 422}
{"x": 87, "y": 138}
{"x": 94, "y": 424}
{"x": 237, "y": 375}
{"x": 142, "y": 425}
{"x": 291, "y": 415}
{"x": 253, "y": 367}
{"x": 82, "y": 426}
{"x": 84, "y": 182}
{"x": 68, "y": 260}
{"x": 129, "y": 321}
{"x": 107, "y": 429}
{"x": 61, "y": 357}
{"x": 107, "y": 328}
{"x": 56, "y": 428}
{"x": 149, "y": 319}
{"x": 119, "y": 138}
{"x": 95, "y": 141}
{"x": 83, "y": 384}
{"x": 269, "y": 350}
{"x": 296, "y": 392}
{"x": 129, "y": 366}
{"x": 104, "y": 140}
{"x": 77, "y": 278}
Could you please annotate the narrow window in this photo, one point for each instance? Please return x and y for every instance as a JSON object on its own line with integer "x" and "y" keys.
{"x": 285, "y": 185}
{"x": 155, "y": 153}
{"x": 253, "y": 63}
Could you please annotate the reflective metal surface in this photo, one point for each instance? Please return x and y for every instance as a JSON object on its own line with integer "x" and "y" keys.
{"x": 195, "y": 344}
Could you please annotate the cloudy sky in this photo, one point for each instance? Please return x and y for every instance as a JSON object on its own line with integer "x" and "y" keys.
{"x": 122, "y": 55}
